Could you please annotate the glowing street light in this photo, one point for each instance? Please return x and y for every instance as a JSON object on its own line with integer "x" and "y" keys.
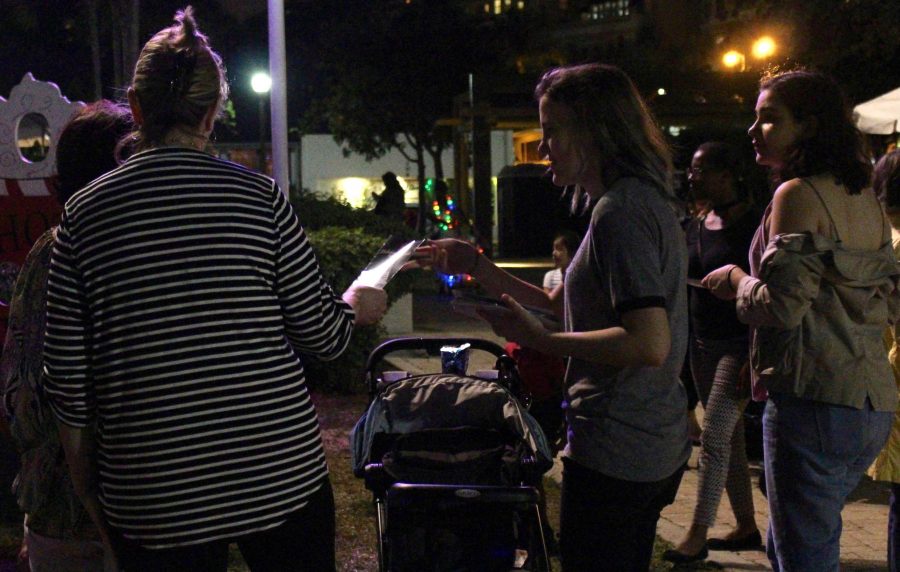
{"x": 763, "y": 48}
{"x": 734, "y": 59}
{"x": 261, "y": 83}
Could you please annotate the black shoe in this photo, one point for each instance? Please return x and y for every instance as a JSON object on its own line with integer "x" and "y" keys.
{"x": 676, "y": 557}
{"x": 749, "y": 542}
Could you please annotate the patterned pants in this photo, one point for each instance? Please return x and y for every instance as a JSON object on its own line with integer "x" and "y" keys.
{"x": 715, "y": 365}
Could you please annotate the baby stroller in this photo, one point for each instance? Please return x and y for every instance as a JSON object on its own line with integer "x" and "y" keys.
{"x": 452, "y": 462}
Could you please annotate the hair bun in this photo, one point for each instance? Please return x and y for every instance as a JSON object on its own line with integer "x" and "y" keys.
{"x": 186, "y": 19}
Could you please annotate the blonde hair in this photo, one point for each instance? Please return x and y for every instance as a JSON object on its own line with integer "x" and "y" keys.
{"x": 177, "y": 78}
{"x": 614, "y": 122}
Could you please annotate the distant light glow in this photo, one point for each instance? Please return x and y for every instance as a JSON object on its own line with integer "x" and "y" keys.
{"x": 353, "y": 190}
{"x": 261, "y": 82}
{"x": 733, "y": 58}
{"x": 661, "y": 91}
{"x": 763, "y": 48}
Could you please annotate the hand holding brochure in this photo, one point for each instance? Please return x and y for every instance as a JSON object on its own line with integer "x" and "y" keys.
{"x": 468, "y": 304}
{"x": 389, "y": 259}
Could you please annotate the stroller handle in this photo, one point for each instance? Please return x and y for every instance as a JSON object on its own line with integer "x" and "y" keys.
{"x": 433, "y": 345}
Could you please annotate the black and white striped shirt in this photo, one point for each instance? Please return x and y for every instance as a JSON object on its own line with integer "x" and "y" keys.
{"x": 182, "y": 291}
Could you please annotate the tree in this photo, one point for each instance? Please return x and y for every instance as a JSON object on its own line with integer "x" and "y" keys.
{"x": 853, "y": 40}
{"x": 126, "y": 44}
{"x": 391, "y": 69}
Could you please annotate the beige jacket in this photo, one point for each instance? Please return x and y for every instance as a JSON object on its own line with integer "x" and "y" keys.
{"x": 819, "y": 311}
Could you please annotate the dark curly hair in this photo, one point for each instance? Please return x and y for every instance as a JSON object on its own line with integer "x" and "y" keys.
{"x": 722, "y": 156}
{"x": 835, "y": 145}
{"x": 88, "y": 146}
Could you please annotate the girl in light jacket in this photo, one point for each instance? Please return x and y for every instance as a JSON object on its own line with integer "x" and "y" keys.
{"x": 822, "y": 289}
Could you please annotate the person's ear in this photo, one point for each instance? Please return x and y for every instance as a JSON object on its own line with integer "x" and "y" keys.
{"x": 209, "y": 120}
{"x": 137, "y": 115}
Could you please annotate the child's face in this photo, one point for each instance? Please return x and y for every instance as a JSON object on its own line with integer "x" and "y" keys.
{"x": 561, "y": 256}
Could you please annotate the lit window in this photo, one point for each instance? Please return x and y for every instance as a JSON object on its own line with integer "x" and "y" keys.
{"x": 487, "y": 8}
{"x": 521, "y": 5}
{"x": 610, "y": 10}
{"x": 498, "y": 6}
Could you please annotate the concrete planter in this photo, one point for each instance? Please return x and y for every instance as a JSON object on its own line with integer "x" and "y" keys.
{"x": 399, "y": 318}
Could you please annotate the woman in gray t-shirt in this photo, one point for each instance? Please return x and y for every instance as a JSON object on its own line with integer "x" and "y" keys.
{"x": 625, "y": 315}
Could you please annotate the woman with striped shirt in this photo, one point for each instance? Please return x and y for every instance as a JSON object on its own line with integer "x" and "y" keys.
{"x": 182, "y": 295}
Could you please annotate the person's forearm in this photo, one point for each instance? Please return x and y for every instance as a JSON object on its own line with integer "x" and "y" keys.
{"x": 498, "y": 282}
{"x": 613, "y": 347}
{"x": 79, "y": 448}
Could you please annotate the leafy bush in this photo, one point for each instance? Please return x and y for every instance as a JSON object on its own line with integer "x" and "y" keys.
{"x": 316, "y": 213}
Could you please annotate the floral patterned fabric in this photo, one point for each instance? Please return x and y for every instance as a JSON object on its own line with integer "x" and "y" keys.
{"x": 43, "y": 488}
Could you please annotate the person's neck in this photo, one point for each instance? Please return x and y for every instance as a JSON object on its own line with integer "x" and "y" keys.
{"x": 185, "y": 137}
{"x": 597, "y": 183}
{"x": 729, "y": 209}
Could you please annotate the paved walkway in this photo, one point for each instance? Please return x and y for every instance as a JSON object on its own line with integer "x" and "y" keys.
{"x": 864, "y": 539}
{"x": 863, "y": 543}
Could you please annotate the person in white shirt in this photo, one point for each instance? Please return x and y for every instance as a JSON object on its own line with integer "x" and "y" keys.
{"x": 564, "y": 244}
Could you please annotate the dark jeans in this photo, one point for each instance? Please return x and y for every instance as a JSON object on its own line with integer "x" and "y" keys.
{"x": 607, "y": 523}
{"x": 304, "y": 542}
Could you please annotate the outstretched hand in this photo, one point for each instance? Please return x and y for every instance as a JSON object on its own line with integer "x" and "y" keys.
{"x": 446, "y": 255}
{"x": 514, "y": 323}
{"x": 722, "y": 282}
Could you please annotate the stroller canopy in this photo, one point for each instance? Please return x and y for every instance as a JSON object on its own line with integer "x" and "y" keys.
{"x": 442, "y": 401}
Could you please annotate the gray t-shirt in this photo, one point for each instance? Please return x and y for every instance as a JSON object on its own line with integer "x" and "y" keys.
{"x": 628, "y": 423}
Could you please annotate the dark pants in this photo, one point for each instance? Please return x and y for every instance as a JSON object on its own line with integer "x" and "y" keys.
{"x": 894, "y": 529}
{"x": 304, "y": 542}
{"x": 607, "y": 523}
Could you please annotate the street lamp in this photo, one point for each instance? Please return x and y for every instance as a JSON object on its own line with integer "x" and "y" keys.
{"x": 763, "y": 48}
{"x": 261, "y": 84}
{"x": 734, "y": 59}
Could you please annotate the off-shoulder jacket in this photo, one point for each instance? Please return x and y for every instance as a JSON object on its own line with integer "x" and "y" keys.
{"x": 818, "y": 312}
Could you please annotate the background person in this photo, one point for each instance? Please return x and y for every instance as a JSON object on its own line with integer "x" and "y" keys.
{"x": 182, "y": 294}
{"x": 390, "y": 203}
{"x": 886, "y": 184}
{"x": 718, "y": 351}
{"x": 58, "y": 534}
{"x": 565, "y": 244}
{"x": 822, "y": 290}
{"x": 625, "y": 317}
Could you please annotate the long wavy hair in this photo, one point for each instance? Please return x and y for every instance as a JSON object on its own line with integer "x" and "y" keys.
{"x": 614, "y": 122}
{"x": 833, "y": 144}
{"x": 177, "y": 78}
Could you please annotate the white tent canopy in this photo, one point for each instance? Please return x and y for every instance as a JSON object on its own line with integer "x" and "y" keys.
{"x": 879, "y": 116}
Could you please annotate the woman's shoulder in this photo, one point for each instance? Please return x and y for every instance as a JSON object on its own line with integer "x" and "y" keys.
{"x": 793, "y": 190}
